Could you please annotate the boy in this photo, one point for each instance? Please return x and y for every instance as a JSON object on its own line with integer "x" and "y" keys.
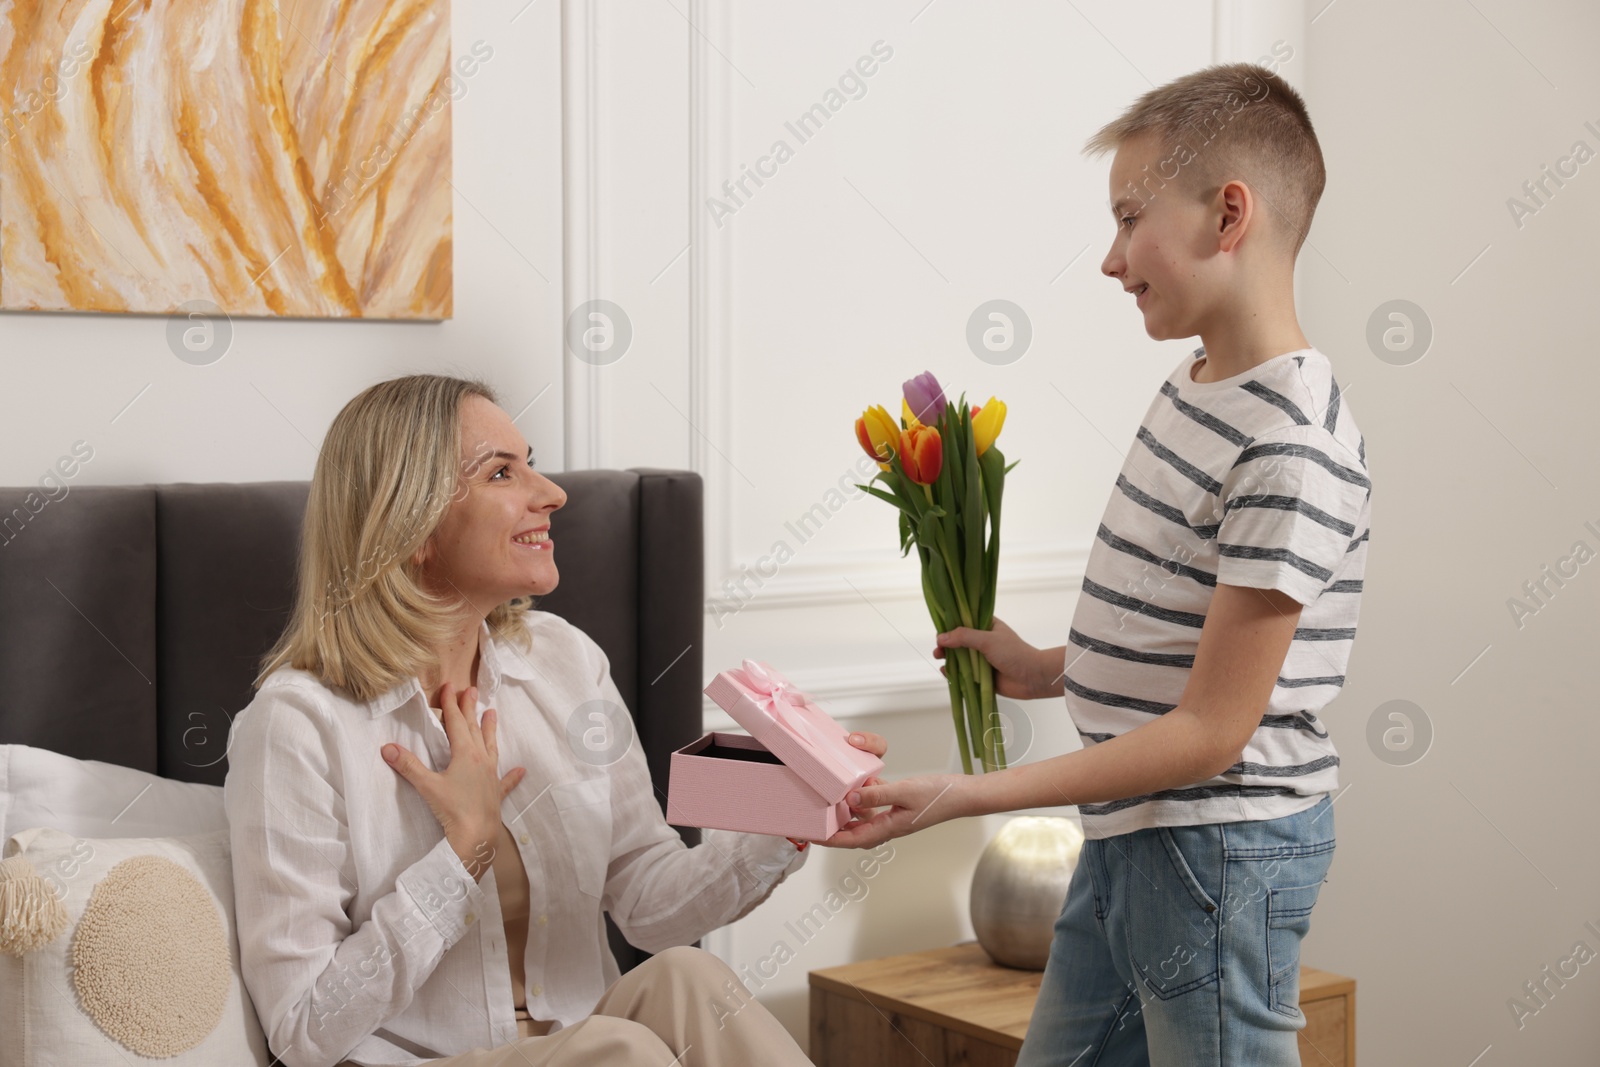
{"x": 1216, "y": 620}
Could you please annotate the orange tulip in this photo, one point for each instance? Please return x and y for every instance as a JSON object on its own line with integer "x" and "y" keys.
{"x": 921, "y": 454}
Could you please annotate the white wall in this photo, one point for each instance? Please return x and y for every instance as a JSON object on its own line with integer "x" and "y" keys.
{"x": 956, "y": 179}
{"x": 1459, "y": 877}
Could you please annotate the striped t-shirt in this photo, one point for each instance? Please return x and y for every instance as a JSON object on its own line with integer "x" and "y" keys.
{"x": 1256, "y": 480}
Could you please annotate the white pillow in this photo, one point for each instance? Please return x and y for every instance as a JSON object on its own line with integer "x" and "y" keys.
{"x": 45, "y": 1007}
{"x": 88, "y": 798}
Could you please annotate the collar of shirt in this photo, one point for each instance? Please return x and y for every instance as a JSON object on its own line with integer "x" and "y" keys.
{"x": 499, "y": 659}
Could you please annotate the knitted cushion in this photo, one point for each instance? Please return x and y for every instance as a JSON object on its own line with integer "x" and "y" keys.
{"x": 149, "y": 958}
{"x": 148, "y": 962}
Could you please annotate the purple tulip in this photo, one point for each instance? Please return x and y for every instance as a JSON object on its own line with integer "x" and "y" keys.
{"x": 925, "y": 398}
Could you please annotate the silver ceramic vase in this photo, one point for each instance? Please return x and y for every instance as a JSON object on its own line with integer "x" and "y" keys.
{"x": 1020, "y": 885}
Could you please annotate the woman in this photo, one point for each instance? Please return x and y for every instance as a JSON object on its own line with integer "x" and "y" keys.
{"x": 393, "y": 913}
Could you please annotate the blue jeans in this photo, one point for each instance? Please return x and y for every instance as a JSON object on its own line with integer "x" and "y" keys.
{"x": 1180, "y": 946}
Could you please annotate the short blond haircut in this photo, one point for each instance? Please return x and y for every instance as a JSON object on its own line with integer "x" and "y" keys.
{"x": 388, "y": 470}
{"x": 1231, "y": 120}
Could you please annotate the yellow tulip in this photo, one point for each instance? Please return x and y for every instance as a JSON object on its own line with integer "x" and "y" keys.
{"x": 878, "y": 434}
{"x": 905, "y": 413}
{"x": 986, "y": 424}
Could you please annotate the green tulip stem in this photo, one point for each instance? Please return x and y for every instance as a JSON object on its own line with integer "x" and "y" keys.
{"x": 994, "y": 753}
{"x": 969, "y": 683}
{"x": 953, "y": 672}
{"x": 950, "y": 566}
{"x": 974, "y": 665}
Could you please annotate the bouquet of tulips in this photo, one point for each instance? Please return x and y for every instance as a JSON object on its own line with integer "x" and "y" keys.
{"x": 941, "y": 469}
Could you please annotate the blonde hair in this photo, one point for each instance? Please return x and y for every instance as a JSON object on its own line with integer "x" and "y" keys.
{"x": 388, "y": 470}
{"x": 1231, "y": 120}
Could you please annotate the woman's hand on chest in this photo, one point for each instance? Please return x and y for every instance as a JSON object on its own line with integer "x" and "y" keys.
{"x": 465, "y": 797}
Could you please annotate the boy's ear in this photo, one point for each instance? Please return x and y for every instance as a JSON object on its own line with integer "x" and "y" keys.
{"x": 1237, "y": 203}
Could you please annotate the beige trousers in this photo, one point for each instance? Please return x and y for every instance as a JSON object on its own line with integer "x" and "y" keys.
{"x": 680, "y": 1008}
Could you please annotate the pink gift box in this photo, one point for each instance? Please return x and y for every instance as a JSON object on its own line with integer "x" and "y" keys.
{"x": 789, "y": 777}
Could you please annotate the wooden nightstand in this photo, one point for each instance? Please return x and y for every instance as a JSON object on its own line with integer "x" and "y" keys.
{"x": 954, "y": 1006}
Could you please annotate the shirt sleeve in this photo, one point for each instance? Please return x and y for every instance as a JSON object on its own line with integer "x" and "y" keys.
{"x": 320, "y": 984}
{"x": 659, "y": 891}
{"x": 1291, "y": 507}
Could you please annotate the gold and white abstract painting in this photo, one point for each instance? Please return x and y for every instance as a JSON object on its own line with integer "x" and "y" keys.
{"x": 273, "y": 157}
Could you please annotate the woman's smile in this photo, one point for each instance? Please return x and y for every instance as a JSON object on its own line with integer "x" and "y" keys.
{"x": 536, "y": 539}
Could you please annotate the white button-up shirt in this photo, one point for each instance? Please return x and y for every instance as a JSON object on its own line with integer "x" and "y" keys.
{"x": 361, "y": 934}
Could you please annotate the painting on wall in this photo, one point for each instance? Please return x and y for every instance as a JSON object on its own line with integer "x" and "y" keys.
{"x": 270, "y": 157}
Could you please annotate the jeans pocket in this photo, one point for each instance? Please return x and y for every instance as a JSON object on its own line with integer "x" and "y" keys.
{"x": 1288, "y": 919}
{"x": 1092, "y": 865}
{"x": 1173, "y": 917}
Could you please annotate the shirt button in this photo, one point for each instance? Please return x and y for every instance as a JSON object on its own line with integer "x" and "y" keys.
{"x": 543, "y": 919}
{"x": 523, "y": 839}
{"x": 538, "y": 990}
{"x": 471, "y": 918}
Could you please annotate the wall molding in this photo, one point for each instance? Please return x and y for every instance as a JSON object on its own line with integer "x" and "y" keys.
{"x": 709, "y": 125}
{"x": 1225, "y": 30}
{"x": 583, "y": 389}
{"x": 812, "y": 579}
{"x": 833, "y": 578}
{"x": 710, "y": 263}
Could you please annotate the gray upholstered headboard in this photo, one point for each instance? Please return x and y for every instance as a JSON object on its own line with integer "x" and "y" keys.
{"x": 133, "y": 618}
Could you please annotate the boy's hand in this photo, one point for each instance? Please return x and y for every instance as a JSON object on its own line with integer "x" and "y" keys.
{"x": 917, "y": 803}
{"x": 1018, "y": 665}
{"x": 878, "y": 746}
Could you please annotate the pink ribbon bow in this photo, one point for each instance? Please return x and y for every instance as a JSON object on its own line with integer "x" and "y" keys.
{"x": 788, "y": 704}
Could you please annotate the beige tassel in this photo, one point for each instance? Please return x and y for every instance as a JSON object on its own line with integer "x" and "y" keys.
{"x": 31, "y": 916}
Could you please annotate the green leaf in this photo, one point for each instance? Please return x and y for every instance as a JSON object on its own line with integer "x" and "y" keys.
{"x": 994, "y": 472}
{"x": 993, "y": 463}
{"x": 955, "y": 447}
{"x": 900, "y": 485}
{"x": 972, "y": 559}
{"x": 936, "y": 611}
{"x": 881, "y": 495}
{"x": 948, "y": 502}
{"x": 911, "y": 493}
{"x": 946, "y": 617}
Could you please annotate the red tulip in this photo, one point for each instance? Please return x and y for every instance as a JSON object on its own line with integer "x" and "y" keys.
{"x": 921, "y": 454}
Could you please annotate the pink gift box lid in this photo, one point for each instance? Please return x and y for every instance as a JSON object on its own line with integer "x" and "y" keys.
{"x": 793, "y": 728}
